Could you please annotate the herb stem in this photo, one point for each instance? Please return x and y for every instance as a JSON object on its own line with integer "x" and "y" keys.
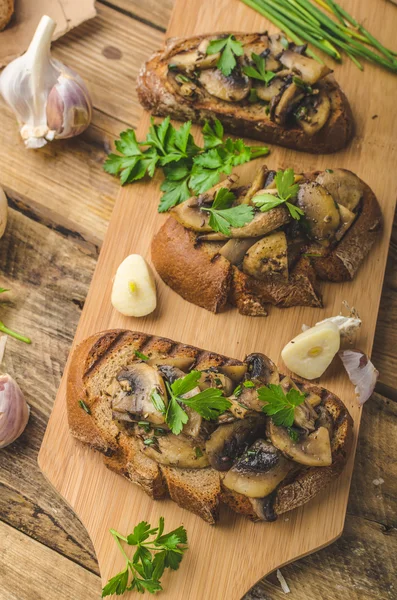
{"x": 14, "y": 334}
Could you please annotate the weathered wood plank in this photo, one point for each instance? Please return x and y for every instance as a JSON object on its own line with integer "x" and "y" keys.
{"x": 30, "y": 570}
{"x": 153, "y": 12}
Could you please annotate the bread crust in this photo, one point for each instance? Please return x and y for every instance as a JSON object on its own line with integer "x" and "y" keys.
{"x": 5, "y": 17}
{"x": 209, "y": 280}
{"x": 197, "y": 490}
{"x": 157, "y": 96}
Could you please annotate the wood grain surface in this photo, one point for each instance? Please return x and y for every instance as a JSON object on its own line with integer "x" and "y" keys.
{"x": 61, "y": 202}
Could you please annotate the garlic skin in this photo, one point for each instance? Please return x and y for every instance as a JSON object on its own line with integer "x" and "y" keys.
{"x": 49, "y": 100}
{"x": 14, "y": 411}
{"x": 3, "y": 212}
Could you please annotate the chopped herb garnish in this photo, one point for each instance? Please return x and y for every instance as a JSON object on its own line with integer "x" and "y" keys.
{"x": 140, "y": 355}
{"x": 223, "y": 215}
{"x": 286, "y": 190}
{"x": 260, "y": 71}
{"x": 249, "y": 384}
{"x": 237, "y": 391}
{"x": 229, "y": 48}
{"x": 280, "y": 406}
{"x": 302, "y": 84}
{"x": 253, "y": 96}
{"x": 328, "y": 170}
{"x": 85, "y": 407}
{"x": 149, "y": 441}
{"x": 145, "y": 425}
{"x": 293, "y": 434}
{"x": 251, "y": 452}
{"x": 158, "y": 402}
{"x": 182, "y": 78}
{"x": 143, "y": 571}
{"x": 198, "y": 452}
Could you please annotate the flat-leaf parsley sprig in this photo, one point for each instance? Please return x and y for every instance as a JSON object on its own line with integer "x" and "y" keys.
{"x": 152, "y": 556}
{"x": 223, "y": 215}
{"x": 188, "y": 168}
{"x": 229, "y": 48}
{"x": 287, "y": 189}
{"x": 280, "y": 406}
{"x": 259, "y": 71}
{"x": 209, "y": 403}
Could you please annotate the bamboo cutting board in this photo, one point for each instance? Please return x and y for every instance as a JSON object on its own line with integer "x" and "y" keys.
{"x": 224, "y": 561}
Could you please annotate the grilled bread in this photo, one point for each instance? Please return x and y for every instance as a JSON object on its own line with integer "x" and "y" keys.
{"x": 241, "y": 459}
{"x": 300, "y": 107}
{"x": 274, "y": 259}
{"x": 6, "y": 12}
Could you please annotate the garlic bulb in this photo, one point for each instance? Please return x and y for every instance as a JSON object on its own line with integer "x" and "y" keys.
{"x": 3, "y": 212}
{"x": 14, "y": 411}
{"x": 49, "y": 99}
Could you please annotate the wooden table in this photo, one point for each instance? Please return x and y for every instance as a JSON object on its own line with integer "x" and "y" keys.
{"x": 61, "y": 202}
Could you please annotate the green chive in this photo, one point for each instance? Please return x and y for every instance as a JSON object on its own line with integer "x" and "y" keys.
{"x": 84, "y": 407}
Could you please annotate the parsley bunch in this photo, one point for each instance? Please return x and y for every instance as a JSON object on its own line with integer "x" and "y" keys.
{"x": 209, "y": 403}
{"x": 151, "y": 558}
{"x": 188, "y": 168}
{"x": 259, "y": 71}
{"x": 280, "y": 406}
{"x": 229, "y": 48}
{"x": 7, "y": 331}
{"x": 286, "y": 190}
{"x": 223, "y": 215}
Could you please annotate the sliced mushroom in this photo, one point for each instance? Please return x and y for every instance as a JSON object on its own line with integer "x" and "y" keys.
{"x": 234, "y": 250}
{"x": 313, "y": 450}
{"x": 347, "y": 218}
{"x": 304, "y": 415}
{"x": 269, "y": 91}
{"x": 190, "y": 61}
{"x": 233, "y": 88}
{"x": 276, "y": 43}
{"x": 261, "y": 371}
{"x": 262, "y": 50}
{"x": 183, "y": 363}
{"x": 257, "y": 184}
{"x": 324, "y": 419}
{"x": 212, "y": 379}
{"x": 177, "y": 451}
{"x": 321, "y": 212}
{"x": 267, "y": 259}
{"x": 345, "y": 187}
{"x": 281, "y": 109}
{"x": 137, "y": 383}
{"x": 308, "y": 69}
{"x": 314, "y": 112}
{"x": 259, "y": 471}
{"x": 235, "y": 372}
{"x": 228, "y": 442}
{"x": 262, "y": 223}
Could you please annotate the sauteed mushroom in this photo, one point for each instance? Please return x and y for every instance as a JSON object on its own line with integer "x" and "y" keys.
{"x": 177, "y": 451}
{"x": 270, "y": 91}
{"x": 290, "y": 96}
{"x": 267, "y": 258}
{"x": 313, "y": 450}
{"x": 261, "y": 371}
{"x": 234, "y": 250}
{"x": 137, "y": 383}
{"x": 345, "y": 187}
{"x": 314, "y": 112}
{"x": 259, "y": 471}
{"x": 233, "y": 88}
{"x": 308, "y": 69}
{"x": 228, "y": 442}
{"x": 321, "y": 211}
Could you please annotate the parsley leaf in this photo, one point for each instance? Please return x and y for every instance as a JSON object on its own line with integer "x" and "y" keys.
{"x": 212, "y": 134}
{"x": 229, "y": 48}
{"x": 209, "y": 403}
{"x": 280, "y": 406}
{"x": 175, "y": 416}
{"x": 286, "y": 190}
{"x": 151, "y": 558}
{"x": 223, "y": 216}
{"x": 260, "y": 71}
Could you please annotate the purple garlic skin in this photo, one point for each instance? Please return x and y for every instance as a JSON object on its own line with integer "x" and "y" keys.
{"x": 14, "y": 411}
{"x": 69, "y": 106}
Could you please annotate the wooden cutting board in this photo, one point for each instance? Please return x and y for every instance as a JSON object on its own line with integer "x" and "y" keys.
{"x": 224, "y": 561}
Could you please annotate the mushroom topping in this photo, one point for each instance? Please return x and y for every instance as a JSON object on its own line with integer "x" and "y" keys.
{"x": 267, "y": 259}
{"x": 234, "y": 372}
{"x": 228, "y": 442}
{"x": 177, "y": 451}
{"x": 259, "y": 471}
{"x": 234, "y": 250}
{"x": 261, "y": 371}
{"x": 324, "y": 419}
{"x": 308, "y": 69}
{"x": 304, "y": 415}
{"x": 212, "y": 379}
{"x": 345, "y": 187}
{"x": 314, "y": 112}
{"x": 276, "y": 43}
{"x": 313, "y": 450}
{"x": 262, "y": 223}
{"x": 137, "y": 383}
{"x": 182, "y": 363}
{"x": 190, "y": 61}
{"x": 270, "y": 91}
{"x": 347, "y": 218}
{"x": 321, "y": 212}
{"x": 257, "y": 184}
{"x": 290, "y": 96}
{"x": 233, "y": 88}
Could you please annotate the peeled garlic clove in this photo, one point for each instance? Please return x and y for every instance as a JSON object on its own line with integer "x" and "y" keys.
{"x": 134, "y": 288}
{"x": 14, "y": 411}
{"x": 3, "y": 212}
{"x": 310, "y": 353}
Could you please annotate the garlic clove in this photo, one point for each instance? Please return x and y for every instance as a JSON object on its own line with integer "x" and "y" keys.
{"x": 310, "y": 353}
{"x": 134, "y": 288}
{"x": 3, "y": 212}
{"x": 69, "y": 107}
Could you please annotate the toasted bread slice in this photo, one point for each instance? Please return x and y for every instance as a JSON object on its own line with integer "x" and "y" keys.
{"x": 199, "y": 272}
{"x": 162, "y": 93}
{"x": 99, "y": 358}
{"x": 6, "y": 12}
